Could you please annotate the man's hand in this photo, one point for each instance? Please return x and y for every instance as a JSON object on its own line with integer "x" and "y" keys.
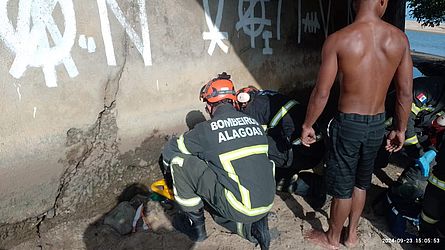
{"x": 308, "y": 136}
{"x": 395, "y": 140}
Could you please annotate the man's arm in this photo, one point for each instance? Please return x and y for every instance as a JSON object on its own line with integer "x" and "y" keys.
{"x": 322, "y": 89}
{"x": 404, "y": 89}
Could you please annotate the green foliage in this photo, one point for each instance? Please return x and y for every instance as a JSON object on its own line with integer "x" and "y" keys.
{"x": 428, "y": 12}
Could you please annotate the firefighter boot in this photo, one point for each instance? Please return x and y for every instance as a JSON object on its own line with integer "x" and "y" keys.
{"x": 260, "y": 231}
{"x": 191, "y": 224}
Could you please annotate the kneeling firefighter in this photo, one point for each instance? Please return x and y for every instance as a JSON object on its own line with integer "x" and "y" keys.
{"x": 281, "y": 117}
{"x": 222, "y": 162}
{"x": 403, "y": 200}
{"x": 432, "y": 224}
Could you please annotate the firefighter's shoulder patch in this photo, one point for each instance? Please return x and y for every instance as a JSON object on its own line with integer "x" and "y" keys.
{"x": 421, "y": 97}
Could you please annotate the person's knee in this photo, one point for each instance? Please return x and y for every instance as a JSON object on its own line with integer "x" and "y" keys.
{"x": 363, "y": 178}
{"x": 339, "y": 186}
{"x": 341, "y": 193}
{"x": 361, "y": 188}
{"x": 428, "y": 225}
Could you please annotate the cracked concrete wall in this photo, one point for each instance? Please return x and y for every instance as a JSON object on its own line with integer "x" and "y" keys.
{"x": 90, "y": 89}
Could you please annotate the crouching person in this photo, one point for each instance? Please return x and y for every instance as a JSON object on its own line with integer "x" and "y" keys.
{"x": 403, "y": 201}
{"x": 222, "y": 162}
{"x": 432, "y": 224}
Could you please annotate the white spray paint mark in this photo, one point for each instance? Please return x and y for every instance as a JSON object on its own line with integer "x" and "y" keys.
{"x": 324, "y": 19}
{"x": 82, "y": 42}
{"x": 214, "y": 35}
{"x": 34, "y": 112}
{"x": 87, "y": 43}
{"x": 311, "y": 23}
{"x": 280, "y": 2}
{"x": 157, "y": 85}
{"x": 248, "y": 20}
{"x": 91, "y": 45}
{"x": 266, "y": 36}
{"x": 17, "y": 88}
{"x": 30, "y": 43}
{"x": 106, "y": 32}
{"x": 299, "y": 21}
{"x": 143, "y": 46}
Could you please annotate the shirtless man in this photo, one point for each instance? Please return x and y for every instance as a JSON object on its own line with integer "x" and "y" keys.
{"x": 367, "y": 55}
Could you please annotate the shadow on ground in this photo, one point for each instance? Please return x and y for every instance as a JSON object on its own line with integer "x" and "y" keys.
{"x": 159, "y": 235}
{"x": 101, "y": 234}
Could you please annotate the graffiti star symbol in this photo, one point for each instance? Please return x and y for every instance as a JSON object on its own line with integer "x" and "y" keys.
{"x": 248, "y": 20}
{"x": 30, "y": 42}
{"x": 214, "y": 35}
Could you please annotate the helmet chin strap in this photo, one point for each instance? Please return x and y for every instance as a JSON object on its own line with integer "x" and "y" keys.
{"x": 210, "y": 110}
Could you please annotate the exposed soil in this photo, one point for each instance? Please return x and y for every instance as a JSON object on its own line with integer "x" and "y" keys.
{"x": 291, "y": 218}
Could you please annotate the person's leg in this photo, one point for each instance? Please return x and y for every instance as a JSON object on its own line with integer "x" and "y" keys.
{"x": 340, "y": 179}
{"x": 186, "y": 174}
{"x": 368, "y": 153}
{"x": 358, "y": 203}
{"x": 431, "y": 211}
{"x": 340, "y": 209}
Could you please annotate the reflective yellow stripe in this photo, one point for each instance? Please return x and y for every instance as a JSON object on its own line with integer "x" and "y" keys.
{"x": 415, "y": 109}
{"x": 428, "y": 219}
{"x": 264, "y": 127}
{"x": 427, "y": 108}
{"x": 273, "y": 168}
{"x": 182, "y": 146}
{"x": 226, "y": 159}
{"x": 243, "y": 209}
{"x": 283, "y": 111}
{"x": 190, "y": 202}
{"x": 437, "y": 182}
{"x": 411, "y": 141}
{"x": 239, "y": 229}
{"x": 177, "y": 161}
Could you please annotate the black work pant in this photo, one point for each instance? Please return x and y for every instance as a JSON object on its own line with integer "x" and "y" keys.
{"x": 432, "y": 223}
{"x": 194, "y": 182}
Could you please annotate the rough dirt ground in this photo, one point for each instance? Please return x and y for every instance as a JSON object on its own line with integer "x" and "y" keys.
{"x": 292, "y": 218}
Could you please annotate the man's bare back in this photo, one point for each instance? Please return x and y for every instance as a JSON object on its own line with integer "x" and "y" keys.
{"x": 368, "y": 53}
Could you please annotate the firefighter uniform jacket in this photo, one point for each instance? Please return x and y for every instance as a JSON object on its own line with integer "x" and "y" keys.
{"x": 235, "y": 148}
{"x": 282, "y": 117}
{"x": 279, "y": 114}
{"x": 429, "y": 100}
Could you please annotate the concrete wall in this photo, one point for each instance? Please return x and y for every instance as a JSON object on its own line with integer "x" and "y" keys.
{"x": 89, "y": 89}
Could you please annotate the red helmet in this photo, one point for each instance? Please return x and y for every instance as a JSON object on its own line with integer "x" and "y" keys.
{"x": 218, "y": 89}
{"x": 245, "y": 95}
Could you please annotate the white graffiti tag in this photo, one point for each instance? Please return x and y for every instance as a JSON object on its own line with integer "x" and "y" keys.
{"x": 311, "y": 23}
{"x": 214, "y": 35}
{"x": 325, "y": 18}
{"x": 30, "y": 42}
{"x": 142, "y": 45}
{"x": 248, "y": 20}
